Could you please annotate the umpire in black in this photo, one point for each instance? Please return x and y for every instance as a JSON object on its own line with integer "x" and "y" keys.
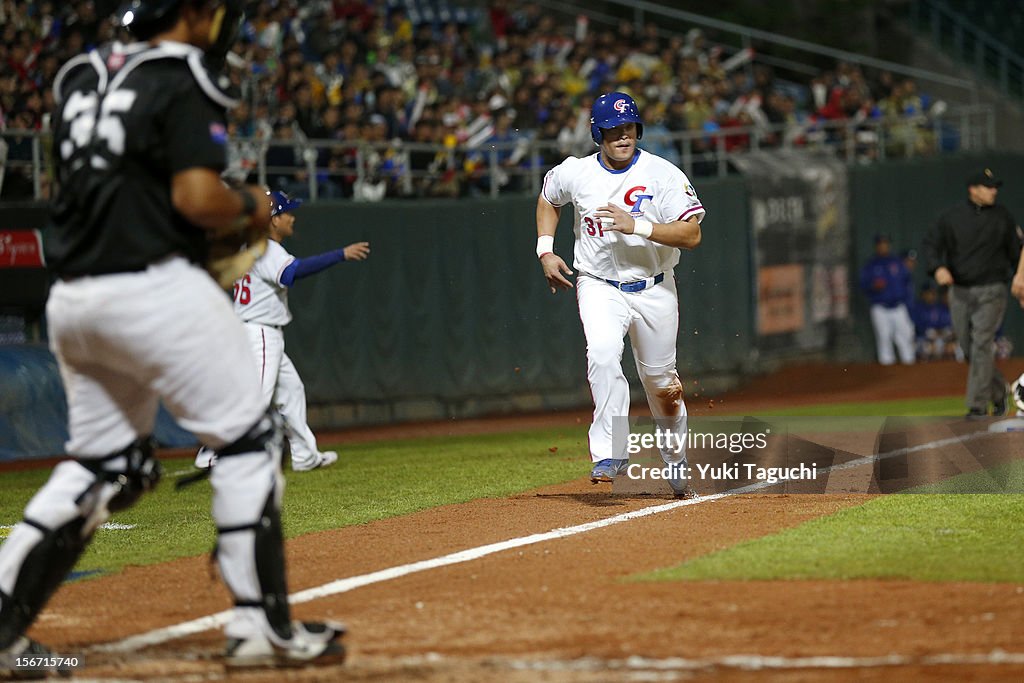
{"x": 974, "y": 248}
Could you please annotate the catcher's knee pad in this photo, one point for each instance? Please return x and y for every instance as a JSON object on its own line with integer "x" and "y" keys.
{"x": 59, "y": 522}
{"x": 129, "y": 473}
{"x": 265, "y": 435}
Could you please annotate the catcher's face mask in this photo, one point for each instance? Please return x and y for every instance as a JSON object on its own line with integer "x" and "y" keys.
{"x": 227, "y": 21}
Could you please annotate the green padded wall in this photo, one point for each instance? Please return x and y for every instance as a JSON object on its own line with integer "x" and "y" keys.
{"x": 451, "y": 306}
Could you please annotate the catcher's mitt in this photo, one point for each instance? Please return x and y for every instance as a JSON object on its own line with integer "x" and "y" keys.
{"x": 231, "y": 251}
{"x": 230, "y": 256}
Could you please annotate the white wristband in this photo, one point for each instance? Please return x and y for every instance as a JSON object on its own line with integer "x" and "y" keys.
{"x": 643, "y": 228}
{"x": 545, "y": 245}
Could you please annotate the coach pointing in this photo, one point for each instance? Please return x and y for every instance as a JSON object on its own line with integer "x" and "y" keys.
{"x": 975, "y": 248}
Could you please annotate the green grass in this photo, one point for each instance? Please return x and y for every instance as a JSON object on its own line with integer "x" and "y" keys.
{"x": 385, "y": 479}
{"x": 929, "y": 537}
{"x": 371, "y": 481}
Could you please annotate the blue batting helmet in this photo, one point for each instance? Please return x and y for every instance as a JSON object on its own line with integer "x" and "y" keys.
{"x": 280, "y": 202}
{"x": 614, "y": 109}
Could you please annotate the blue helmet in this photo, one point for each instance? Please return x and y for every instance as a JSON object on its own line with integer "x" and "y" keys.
{"x": 280, "y": 202}
{"x": 614, "y": 109}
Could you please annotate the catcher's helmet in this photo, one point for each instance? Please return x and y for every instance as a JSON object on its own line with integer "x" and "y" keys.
{"x": 146, "y": 18}
{"x": 280, "y": 202}
{"x": 614, "y": 109}
{"x": 138, "y": 14}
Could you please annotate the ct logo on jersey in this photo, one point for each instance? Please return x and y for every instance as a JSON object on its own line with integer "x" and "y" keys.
{"x": 620, "y": 106}
{"x": 634, "y": 199}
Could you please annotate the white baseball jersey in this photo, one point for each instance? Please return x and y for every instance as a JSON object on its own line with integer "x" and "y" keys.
{"x": 261, "y": 300}
{"x": 259, "y": 295}
{"x": 651, "y": 188}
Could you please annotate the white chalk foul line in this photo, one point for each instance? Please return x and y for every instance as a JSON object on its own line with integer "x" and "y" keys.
{"x": 750, "y": 662}
{"x": 344, "y": 585}
{"x": 110, "y": 526}
{"x": 173, "y": 632}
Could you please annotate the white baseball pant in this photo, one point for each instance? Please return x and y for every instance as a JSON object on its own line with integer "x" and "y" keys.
{"x": 281, "y": 386}
{"x": 119, "y": 355}
{"x": 651, "y": 318}
{"x": 893, "y": 326}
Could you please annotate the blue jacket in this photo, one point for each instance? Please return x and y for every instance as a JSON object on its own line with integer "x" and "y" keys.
{"x": 930, "y": 317}
{"x": 892, "y": 273}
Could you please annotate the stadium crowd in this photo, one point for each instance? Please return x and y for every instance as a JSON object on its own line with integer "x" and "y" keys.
{"x": 471, "y": 82}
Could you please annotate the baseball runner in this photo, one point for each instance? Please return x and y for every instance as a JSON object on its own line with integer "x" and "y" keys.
{"x": 134, "y": 319}
{"x": 633, "y": 211}
{"x": 261, "y": 301}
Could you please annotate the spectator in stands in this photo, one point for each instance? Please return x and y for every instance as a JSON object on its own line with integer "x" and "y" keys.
{"x": 656, "y": 132}
{"x": 373, "y": 57}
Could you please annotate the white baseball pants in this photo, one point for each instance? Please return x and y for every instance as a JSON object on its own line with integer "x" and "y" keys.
{"x": 893, "y": 326}
{"x": 281, "y": 386}
{"x": 125, "y": 341}
{"x": 651, "y": 318}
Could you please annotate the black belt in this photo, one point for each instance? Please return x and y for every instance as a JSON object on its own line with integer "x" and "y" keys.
{"x": 253, "y": 322}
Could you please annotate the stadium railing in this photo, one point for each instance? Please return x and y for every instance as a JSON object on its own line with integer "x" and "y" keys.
{"x": 969, "y": 43}
{"x": 369, "y": 171}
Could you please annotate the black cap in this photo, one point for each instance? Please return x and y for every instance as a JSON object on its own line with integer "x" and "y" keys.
{"x": 984, "y": 177}
{"x": 882, "y": 237}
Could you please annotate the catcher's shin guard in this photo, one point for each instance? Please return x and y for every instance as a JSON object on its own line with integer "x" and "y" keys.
{"x": 59, "y": 522}
{"x": 248, "y": 487}
{"x": 39, "y": 560}
{"x": 259, "y": 546}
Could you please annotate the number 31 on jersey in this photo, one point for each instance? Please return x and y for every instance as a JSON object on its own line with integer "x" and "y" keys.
{"x": 593, "y": 228}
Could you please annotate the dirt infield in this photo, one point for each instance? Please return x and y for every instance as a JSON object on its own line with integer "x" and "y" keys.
{"x": 558, "y": 609}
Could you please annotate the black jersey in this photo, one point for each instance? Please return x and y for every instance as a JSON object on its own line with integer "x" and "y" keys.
{"x": 129, "y": 117}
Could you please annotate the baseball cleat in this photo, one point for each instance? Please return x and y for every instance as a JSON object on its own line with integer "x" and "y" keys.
{"x": 680, "y": 485}
{"x": 605, "y": 470}
{"x": 322, "y": 459}
{"x": 682, "y": 490}
{"x": 26, "y": 648}
{"x": 312, "y": 642}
